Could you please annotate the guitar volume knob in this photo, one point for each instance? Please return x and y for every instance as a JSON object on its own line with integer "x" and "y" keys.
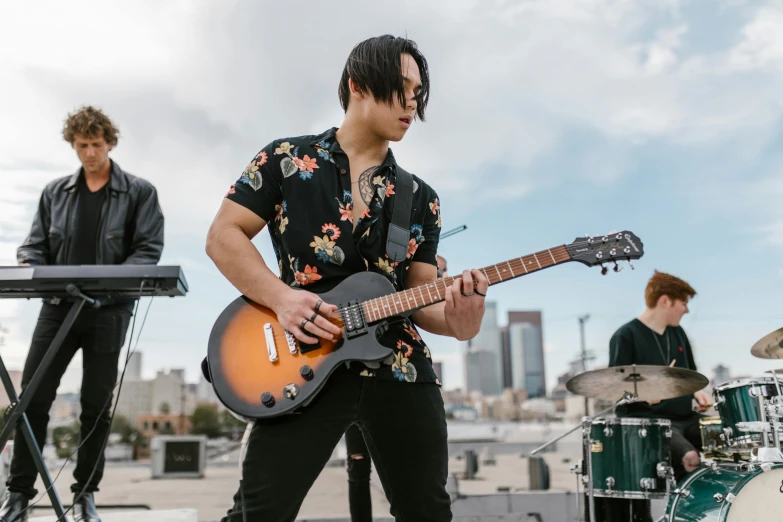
{"x": 267, "y": 399}
{"x": 306, "y": 372}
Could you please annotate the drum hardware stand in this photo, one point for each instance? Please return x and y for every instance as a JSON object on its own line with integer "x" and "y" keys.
{"x": 777, "y": 381}
{"x": 766, "y": 453}
{"x": 586, "y": 422}
{"x": 576, "y": 469}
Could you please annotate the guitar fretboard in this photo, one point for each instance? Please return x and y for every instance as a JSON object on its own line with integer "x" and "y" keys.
{"x": 435, "y": 292}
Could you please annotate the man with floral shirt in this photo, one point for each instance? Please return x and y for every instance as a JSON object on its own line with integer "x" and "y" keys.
{"x": 327, "y": 200}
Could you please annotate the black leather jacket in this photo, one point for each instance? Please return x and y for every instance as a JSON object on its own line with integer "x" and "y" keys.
{"x": 130, "y": 230}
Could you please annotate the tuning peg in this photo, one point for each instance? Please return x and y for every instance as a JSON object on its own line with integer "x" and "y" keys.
{"x": 617, "y": 267}
{"x": 631, "y": 265}
{"x": 604, "y": 270}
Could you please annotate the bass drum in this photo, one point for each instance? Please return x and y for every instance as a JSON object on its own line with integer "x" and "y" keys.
{"x": 729, "y": 493}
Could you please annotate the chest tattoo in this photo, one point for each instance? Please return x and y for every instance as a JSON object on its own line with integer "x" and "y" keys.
{"x": 366, "y": 188}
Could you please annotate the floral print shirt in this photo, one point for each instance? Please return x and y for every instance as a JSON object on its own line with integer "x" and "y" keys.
{"x": 302, "y": 188}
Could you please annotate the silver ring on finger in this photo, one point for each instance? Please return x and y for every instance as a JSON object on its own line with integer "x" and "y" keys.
{"x": 318, "y": 305}
{"x": 479, "y": 293}
{"x": 302, "y": 324}
{"x": 312, "y": 319}
{"x": 466, "y": 295}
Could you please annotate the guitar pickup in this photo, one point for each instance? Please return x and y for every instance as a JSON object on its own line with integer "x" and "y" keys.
{"x": 353, "y": 319}
{"x": 271, "y": 348}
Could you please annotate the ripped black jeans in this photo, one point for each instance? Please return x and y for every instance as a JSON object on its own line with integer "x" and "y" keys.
{"x": 359, "y": 463}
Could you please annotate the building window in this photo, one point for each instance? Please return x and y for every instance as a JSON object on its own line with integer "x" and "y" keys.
{"x": 146, "y": 425}
{"x": 155, "y": 425}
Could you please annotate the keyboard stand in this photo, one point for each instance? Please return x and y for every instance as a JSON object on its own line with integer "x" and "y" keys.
{"x": 16, "y": 411}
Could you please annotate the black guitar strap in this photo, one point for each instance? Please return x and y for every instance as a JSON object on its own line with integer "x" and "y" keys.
{"x": 400, "y": 225}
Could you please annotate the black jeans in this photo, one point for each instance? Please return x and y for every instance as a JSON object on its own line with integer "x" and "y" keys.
{"x": 100, "y": 333}
{"x": 359, "y": 463}
{"x": 404, "y": 426}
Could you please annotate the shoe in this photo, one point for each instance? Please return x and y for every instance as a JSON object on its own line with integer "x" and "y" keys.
{"x": 14, "y": 508}
{"x": 84, "y": 509}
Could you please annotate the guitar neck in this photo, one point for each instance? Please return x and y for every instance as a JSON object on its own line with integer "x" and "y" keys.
{"x": 435, "y": 292}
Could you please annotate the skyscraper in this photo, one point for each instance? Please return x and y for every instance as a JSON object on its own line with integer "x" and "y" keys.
{"x": 506, "y": 350}
{"x": 527, "y": 364}
{"x": 524, "y": 344}
{"x": 484, "y": 356}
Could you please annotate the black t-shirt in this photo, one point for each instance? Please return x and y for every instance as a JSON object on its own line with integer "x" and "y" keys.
{"x": 636, "y": 343}
{"x": 82, "y": 250}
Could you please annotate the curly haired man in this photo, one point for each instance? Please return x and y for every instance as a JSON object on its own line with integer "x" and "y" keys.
{"x": 100, "y": 215}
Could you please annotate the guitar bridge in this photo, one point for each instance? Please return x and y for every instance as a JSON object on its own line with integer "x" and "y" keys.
{"x": 353, "y": 319}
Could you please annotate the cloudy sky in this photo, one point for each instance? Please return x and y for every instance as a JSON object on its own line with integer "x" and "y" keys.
{"x": 548, "y": 120}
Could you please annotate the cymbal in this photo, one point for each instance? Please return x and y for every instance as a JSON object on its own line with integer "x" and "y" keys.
{"x": 653, "y": 383}
{"x": 770, "y": 346}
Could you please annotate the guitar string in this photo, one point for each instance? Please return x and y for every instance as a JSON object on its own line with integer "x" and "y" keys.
{"x": 517, "y": 263}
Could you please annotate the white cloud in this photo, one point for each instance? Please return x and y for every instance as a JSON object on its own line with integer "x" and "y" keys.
{"x": 662, "y": 53}
{"x": 772, "y": 233}
{"x": 762, "y": 41}
{"x": 198, "y": 87}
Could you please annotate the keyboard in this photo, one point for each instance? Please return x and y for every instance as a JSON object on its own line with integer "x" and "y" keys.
{"x": 98, "y": 281}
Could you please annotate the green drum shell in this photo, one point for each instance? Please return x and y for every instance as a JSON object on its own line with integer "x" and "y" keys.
{"x": 626, "y": 457}
{"x": 698, "y": 502}
{"x": 735, "y": 402}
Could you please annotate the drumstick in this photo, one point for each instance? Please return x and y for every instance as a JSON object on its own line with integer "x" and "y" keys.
{"x": 671, "y": 365}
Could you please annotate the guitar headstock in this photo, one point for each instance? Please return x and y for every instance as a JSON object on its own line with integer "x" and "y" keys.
{"x": 611, "y": 248}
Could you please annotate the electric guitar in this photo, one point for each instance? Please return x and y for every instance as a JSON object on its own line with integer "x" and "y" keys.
{"x": 259, "y": 370}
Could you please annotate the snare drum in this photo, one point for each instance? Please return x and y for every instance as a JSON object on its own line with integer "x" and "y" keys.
{"x": 711, "y": 430}
{"x": 729, "y": 493}
{"x": 630, "y": 457}
{"x": 738, "y": 401}
{"x": 713, "y": 445}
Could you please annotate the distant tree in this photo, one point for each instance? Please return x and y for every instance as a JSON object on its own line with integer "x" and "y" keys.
{"x": 65, "y": 439}
{"x": 228, "y": 421}
{"x": 231, "y": 426}
{"x": 128, "y": 433}
{"x": 205, "y": 421}
{"x": 122, "y": 426}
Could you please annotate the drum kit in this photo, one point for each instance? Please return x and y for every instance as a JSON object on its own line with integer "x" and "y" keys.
{"x": 740, "y": 478}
